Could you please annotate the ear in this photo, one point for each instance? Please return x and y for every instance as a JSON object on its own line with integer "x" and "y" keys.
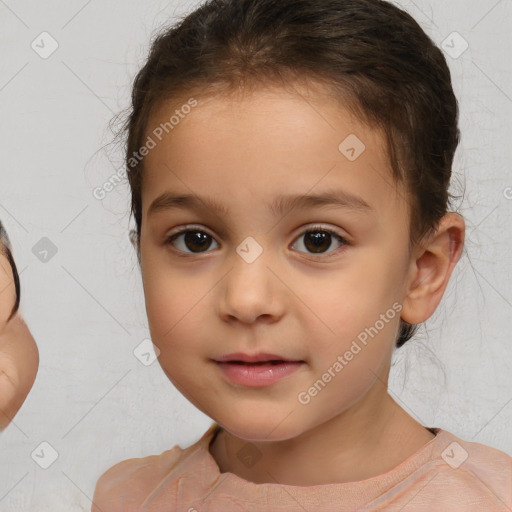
{"x": 135, "y": 241}
{"x": 430, "y": 268}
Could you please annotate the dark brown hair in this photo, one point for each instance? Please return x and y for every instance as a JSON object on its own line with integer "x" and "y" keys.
{"x": 374, "y": 57}
{"x": 5, "y": 249}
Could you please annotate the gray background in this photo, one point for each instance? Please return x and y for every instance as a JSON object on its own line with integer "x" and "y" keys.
{"x": 93, "y": 401}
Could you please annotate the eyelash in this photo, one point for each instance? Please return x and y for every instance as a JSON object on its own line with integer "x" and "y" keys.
{"x": 313, "y": 229}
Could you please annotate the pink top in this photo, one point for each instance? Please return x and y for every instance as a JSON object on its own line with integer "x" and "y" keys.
{"x": 446, "y": 474}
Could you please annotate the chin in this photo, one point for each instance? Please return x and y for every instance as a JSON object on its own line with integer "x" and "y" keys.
{"x": 261, "y": 429}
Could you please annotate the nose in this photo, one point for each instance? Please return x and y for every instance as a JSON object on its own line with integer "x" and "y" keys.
{"x": 251, "y": 291}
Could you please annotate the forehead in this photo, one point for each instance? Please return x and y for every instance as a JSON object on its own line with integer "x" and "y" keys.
{"x": 270, "y": 142}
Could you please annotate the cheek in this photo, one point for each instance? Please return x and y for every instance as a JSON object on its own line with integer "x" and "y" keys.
{"x": 356, "y": 312}
{"x": 171, "y": 327}
{"x": 354, "y": 296}
{"x": 175, "y": 307}
{"x": 163, "y": 292}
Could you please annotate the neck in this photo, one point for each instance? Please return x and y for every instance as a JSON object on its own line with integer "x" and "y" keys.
{"x": 368, "y": 439}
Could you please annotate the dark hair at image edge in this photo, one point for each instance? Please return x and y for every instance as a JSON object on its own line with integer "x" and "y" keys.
{"x": 370, "y": 55}
{"x": 5, "y": 248}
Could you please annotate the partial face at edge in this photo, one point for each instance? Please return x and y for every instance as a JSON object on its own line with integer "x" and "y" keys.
{"x": 308, "y": 295}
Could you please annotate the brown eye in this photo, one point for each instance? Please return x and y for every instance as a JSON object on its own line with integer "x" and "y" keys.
{"x": 192, "y": 241}
{"x": 318, "y": 240}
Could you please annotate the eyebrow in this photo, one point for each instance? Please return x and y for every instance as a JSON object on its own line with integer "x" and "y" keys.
{"x": 281, "y": 204}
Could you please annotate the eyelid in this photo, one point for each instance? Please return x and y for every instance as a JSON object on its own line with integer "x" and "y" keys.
{"x": 187, "y": 227}
{"x": 324, "y": 227}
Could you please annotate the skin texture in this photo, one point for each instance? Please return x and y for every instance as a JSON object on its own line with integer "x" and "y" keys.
{"x": 244, "y": 151}
{"x": 19, "y": 357}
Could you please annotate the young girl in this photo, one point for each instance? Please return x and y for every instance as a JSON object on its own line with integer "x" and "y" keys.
{"x": 289, "y": 163}
{"x": 19, "y": 357}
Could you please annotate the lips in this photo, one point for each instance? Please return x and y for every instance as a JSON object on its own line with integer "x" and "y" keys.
{"x": 260, "y": 358}
{"x": 256, "y": 370}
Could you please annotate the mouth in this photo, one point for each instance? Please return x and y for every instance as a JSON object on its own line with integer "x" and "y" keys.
{"x": 260, "y": 358}
{"x": 257, "y": 374}
{"x": 259, "y": 363}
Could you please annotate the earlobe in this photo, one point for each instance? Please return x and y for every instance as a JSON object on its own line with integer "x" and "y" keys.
{"x": 135, "y": 241}
{"x": 431, "y": 268}
{"x": 132, "y": 235}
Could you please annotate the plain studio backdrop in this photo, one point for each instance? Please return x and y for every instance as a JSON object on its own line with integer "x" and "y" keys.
{"x": 66, "y": 70}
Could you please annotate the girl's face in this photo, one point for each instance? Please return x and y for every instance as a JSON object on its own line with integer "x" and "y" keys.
{"x": 255, "y": 275}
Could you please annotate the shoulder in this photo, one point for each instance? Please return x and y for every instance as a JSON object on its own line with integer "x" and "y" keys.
{"x": 478, "y": 474}
{"x": 128, "y": 484}
{"x": 475, "y": 458}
